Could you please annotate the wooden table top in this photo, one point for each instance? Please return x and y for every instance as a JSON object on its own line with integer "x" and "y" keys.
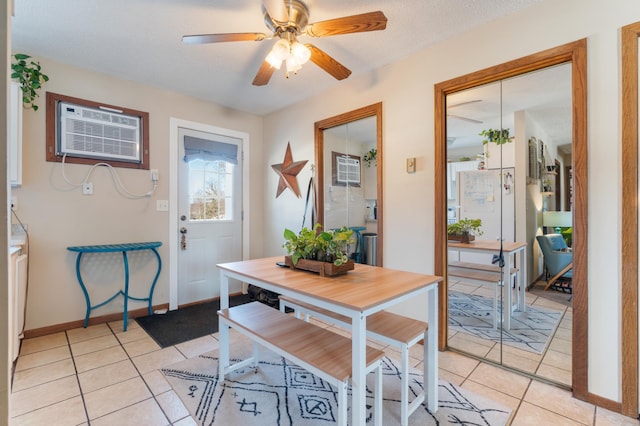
{"x": 361, "y": 289}
{"x": 487, "y": 245}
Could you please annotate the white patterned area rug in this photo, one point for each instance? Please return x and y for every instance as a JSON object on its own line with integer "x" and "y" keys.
{"x": 530, "y": 330}
{"x": 280, "y": 393}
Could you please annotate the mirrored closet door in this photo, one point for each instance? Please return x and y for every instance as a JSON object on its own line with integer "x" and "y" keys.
{"x": 509, "y": 177}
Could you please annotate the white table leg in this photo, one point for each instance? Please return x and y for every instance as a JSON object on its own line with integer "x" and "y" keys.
{"x": 506, "y": 293}
{"x": 431, "y": 350}
{"x": 223, "y": 363}
{"x": 359, "y": 379}
{"x": 522, "y": 281}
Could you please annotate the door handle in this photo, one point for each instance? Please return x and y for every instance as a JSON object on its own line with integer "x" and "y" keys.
{"x": 183, "y": 238}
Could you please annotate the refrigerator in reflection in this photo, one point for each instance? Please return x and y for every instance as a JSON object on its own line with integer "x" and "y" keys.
{"x": 488, "y": 195}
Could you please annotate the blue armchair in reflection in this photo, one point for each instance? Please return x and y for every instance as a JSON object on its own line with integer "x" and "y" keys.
{"x": 558, "y": 260}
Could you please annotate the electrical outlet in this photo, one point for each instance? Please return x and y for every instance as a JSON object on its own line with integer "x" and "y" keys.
{"x": 87, "y": 188}
{"x": 162, "y": 205}
{"x": 154, "y": 175}
{"x": 14, "y": 202}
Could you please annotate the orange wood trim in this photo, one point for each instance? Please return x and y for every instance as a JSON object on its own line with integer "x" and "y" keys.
{"x": 629, "y": 238}
{"x": 575, "y": 52}
{"x": 135, "y": 313}
{"x": 580, "y": 349}
{"x": 605, "y": 403}
{"x": 347, "y": 117}
{"x": 43, "y": 331}
{"x": 52, "y": 101}
{"x": 440, "y": 217}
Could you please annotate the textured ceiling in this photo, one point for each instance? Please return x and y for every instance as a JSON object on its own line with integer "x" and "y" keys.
{"x": 140, "y": 40}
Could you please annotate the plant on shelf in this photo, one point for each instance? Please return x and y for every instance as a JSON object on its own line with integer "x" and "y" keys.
{"x": 370, "y": 157}
{"x": 497, "y": 136}
{"x": 29, "y": 74}
{"x": 464, "y": 229}
{"x": 314, "y": 244}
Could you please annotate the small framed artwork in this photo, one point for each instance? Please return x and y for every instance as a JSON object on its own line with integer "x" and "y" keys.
{"x": 345, "y": 170}
{"x": 534, "y": 160}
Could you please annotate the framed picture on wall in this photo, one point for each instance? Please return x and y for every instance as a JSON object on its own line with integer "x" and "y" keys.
{"x": 345, "y": 169}
{"x": 534, "y": 161}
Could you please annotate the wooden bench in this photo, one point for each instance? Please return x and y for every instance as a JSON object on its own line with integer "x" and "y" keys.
{"x": 396, "y": 330}
{"x": 483, "y": 274}
{"x": 318, "y": 350}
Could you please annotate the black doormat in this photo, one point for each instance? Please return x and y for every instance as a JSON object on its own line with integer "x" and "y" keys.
{"x": 187, "y": 323}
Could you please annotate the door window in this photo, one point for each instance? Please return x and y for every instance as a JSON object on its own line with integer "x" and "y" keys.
{"x": 210, "y": 190}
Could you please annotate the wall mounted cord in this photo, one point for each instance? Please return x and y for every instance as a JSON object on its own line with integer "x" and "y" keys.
{"x": 122, "y": 190}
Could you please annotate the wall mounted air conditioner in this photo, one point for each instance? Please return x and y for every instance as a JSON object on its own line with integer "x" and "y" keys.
{"x": 101, "y": 133}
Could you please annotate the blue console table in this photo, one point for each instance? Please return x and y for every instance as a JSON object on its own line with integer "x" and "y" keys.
{"x": 113, "y": 248}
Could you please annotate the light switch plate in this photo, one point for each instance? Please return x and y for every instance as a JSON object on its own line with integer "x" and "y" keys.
{"x": 162, "y": 205}
{"x": 411, "y": 165}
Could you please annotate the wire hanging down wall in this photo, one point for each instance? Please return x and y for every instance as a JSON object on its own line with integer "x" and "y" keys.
{"x": 122, "y": 190}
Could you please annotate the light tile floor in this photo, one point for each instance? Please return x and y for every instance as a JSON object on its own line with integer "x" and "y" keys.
{"x": 553, "y": 364}
{"x": 103, "y": 376}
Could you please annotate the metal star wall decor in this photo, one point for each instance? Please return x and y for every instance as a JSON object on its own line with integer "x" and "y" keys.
{"x": 288, "y": 171}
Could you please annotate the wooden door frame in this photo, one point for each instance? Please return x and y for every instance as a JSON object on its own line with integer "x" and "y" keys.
{"x": 630, "y": 36}
{"x": 576, "y": 53}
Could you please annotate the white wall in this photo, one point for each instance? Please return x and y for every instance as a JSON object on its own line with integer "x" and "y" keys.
{"x": 406, "y": 90}
{"x": 58, "y": 216}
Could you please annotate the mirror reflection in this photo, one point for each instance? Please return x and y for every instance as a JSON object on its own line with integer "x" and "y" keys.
{"x": 348, "y": 158}
{"x": 509, "y": 175}
{"x": 350, "y": 183}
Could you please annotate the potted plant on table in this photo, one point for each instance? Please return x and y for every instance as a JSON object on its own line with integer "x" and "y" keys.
{"x": 311, "y": 247}
{"x": 464, "y": 230}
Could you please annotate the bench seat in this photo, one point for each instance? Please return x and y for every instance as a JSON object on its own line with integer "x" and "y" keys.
{"x": 483, "y": 274}
{"x": 396, "y": 330}
{"x": 318, "y": 350}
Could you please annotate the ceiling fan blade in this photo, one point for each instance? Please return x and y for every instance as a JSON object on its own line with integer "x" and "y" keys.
{"x": 277, "y": 10}
{"x": 372, "y": 21}
{"x": 264, "y": 74}
{"x": 221, "y": 38}
{"x": 470, "y": 120}
{"x": 464, "y": 103}
{"x": 327, "y": 63}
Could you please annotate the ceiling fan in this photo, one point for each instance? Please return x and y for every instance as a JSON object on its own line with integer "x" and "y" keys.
{"x": 470, "y": 120}
{"x": 288, "y": 20}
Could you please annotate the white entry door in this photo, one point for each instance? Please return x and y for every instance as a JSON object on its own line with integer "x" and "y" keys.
{"x": 209, "y": 211}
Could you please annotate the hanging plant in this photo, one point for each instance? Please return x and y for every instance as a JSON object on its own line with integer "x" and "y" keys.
{"x": 29, "y": 74}
{"x": 370, "y": 157}
{"x": 498, "y": 137}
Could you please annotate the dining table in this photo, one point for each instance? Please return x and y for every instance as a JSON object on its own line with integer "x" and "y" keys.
{"x": 509, "y": 249}
{"x": 356, "y": 294}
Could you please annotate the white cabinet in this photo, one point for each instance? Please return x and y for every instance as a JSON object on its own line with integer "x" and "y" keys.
{"x": 17, "y": 299}
{"x": 15, "y": 135}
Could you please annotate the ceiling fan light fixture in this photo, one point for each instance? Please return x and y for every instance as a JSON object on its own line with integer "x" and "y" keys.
{"x": 273, "y": 60}
{"x": 281, "y": 49}
{"x": 287, "y": 20}
{"x": 293, "y": 65}
{"x": 300, "y": 52}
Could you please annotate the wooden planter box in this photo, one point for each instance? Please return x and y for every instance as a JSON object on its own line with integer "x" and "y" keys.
{"x": 458, "y": 237}
{"x": 325, "y": 269}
